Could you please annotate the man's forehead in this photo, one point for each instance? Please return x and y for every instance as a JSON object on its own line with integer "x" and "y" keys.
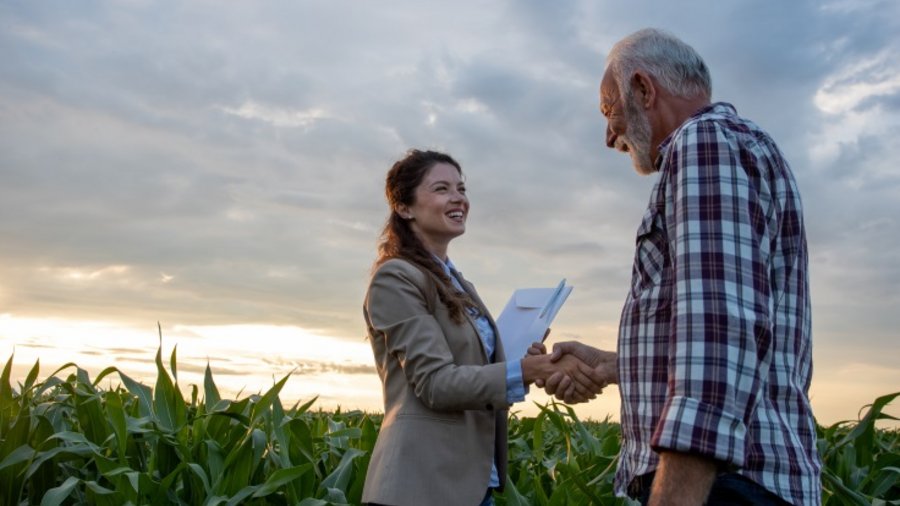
{"x": 609, "y": 90}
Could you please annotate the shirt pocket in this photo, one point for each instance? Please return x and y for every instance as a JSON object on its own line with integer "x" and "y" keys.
{"x": 650, "y": 257}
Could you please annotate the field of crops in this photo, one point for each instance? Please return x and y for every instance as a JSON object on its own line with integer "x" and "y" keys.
{"x": 64, "y": 440}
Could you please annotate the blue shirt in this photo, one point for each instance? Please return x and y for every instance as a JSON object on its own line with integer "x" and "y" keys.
{"x": 515, "y": 386}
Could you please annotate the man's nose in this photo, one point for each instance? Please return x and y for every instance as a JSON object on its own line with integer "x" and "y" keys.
{"x": 610, "y": 137}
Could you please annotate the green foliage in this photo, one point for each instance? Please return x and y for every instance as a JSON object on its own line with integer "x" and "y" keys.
{"x": 861, "y": 463}
{"x": 556, "y": 459}
{"x": 66, "y": 441}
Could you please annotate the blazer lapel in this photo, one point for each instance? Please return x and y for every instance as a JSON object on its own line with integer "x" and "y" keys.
{"x": 470, "y": 290}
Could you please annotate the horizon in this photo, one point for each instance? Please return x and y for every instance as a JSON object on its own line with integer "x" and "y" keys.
{"x": 348, "y": 384}
{"x": 219, "y": 169}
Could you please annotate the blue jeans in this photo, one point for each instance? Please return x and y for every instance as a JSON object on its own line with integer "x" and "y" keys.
{"x": 732, "y": 489}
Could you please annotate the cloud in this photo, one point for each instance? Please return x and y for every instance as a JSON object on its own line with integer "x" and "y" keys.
{"x": 198, "y": 164}
{"x": 859, "y": 82}
{"x": 276, "y": 116}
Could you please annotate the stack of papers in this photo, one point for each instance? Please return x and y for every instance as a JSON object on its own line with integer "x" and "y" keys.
{"x": 528, "y": 315}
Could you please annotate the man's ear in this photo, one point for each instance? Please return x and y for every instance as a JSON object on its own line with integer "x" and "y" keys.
{"x": 643, "y": 84}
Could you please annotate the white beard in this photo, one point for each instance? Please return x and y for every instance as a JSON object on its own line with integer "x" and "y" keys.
{"x": 636, "y": 140}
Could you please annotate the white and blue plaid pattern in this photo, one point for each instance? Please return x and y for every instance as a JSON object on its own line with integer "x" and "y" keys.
{"x": 715, "y": 341}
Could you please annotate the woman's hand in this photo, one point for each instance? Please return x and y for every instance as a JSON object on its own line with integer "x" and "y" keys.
{"x": 604, "y": 370}
{"x": 579, "y": 382}
{"x": 538, "y": 349}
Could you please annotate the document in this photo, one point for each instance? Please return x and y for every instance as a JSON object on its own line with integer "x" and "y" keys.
{"x": 528, "y": 315}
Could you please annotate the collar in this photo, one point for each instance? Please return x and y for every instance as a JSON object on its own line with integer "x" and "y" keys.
{"x": 451, "y": 271}
{"x": 714, "y": 108}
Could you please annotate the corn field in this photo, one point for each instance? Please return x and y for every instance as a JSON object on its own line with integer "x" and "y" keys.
{"x": 64, "y": 440}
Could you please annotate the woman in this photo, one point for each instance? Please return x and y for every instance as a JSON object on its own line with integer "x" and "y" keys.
{"x": 445, "y": 383}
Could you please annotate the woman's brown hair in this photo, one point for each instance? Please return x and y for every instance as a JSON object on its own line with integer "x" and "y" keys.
{"x": 398, "y": 240}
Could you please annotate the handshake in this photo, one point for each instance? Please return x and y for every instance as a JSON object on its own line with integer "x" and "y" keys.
{"x": 573, "y": 373}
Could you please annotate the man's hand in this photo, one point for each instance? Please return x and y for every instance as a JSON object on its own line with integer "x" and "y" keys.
{"x": 604, "y": 371}
{"x": 580, "y": 382}
{"x": 584, "y": 384}
{"x": 537, "y": 366}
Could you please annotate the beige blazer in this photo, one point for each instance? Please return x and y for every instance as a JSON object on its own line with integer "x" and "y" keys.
{"x": 445, "y": 404}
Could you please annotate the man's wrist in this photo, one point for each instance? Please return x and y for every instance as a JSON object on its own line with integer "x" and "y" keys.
{"x": 682, "y": 479}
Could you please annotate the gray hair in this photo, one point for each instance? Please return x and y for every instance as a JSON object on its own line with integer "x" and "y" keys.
{"x": 675, "y": 65}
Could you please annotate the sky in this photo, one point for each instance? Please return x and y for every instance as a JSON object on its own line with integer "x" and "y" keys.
{"x": 214, "y": 172}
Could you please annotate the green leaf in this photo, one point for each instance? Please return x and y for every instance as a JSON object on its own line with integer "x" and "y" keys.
{"x": 242, "y": 494}
{"x": 267, "y": 399}
{"x": 32, "y": 375}
{"x": 6, "y": 396}
{"x": 538, "y": 436}
{"x": 883, "y": 480}
{"x": 55, "y": 496}
{"x": 241, "y": 461}
{"x": 846, "y": 496}
{"x": 116, "y": 414}
{"x": 209, "y": 387}
{"x": 98, "y": 489}
{"x": 340, "y": 476}
{"x": 198, "y": 471}
{"x": 80, "y": 450}
{"x": 166, "y": 483}
{"x": 863, "y": 435}
{"x": 369, "y": 435}
{"x": 173, "y": 363}
{"x": 168, "y": 403}
{"x": 305, "y": 407}
{"x": 335, "y": 496}
{"x": 143, "y": 393}
{"x": 513, "y": 497}
{"x": 282, "y": 477}
{"x": 312, "y": 501}
{"x": 21, "y": 454}
{"x": 134, "y": 479}
{"x": 215, "y": 500}
{"x": 104, "y": 373}
{"x": 215, "y": 462}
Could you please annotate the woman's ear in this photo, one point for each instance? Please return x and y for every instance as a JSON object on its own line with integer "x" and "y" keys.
{"x": 402, "y": 210}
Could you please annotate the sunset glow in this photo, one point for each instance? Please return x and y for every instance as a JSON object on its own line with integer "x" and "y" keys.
{"x": 221, "y": 171}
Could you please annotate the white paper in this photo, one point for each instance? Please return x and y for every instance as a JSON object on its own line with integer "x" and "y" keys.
{"x": 528, "y": 315}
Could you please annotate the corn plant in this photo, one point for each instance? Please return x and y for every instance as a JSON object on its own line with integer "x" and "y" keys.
{"x": 861, "y": 463}
{"x": 66, "y": 440}
{"x": 556, "y": 459}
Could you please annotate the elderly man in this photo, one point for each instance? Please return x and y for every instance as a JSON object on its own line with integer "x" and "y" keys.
{"x": 714, "y": 351}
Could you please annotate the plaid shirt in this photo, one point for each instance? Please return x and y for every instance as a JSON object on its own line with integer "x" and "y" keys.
{"x": 714, "y": 342}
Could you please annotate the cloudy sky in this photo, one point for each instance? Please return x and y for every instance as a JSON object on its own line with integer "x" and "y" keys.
{"x": 218, "y": 167}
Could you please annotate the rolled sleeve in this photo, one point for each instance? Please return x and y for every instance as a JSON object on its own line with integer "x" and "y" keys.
{"x": 691, "y": 426}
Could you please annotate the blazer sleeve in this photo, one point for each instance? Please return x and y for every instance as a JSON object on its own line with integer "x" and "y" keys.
{"x": 398, "y": 310}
